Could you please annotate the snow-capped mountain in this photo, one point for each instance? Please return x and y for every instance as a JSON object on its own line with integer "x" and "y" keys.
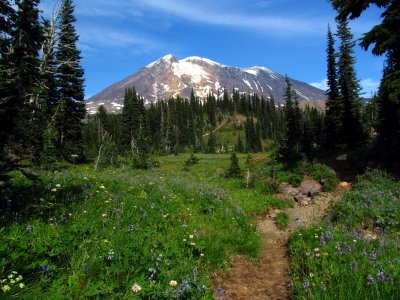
{"x": 169, "y": 77}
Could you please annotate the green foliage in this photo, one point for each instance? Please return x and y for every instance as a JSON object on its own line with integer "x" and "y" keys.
{"x": 353, "y": 255}
{"x": 234, "y": 170}
{"x": 372, "y": 203}
{"x": 326, "y": 176}
{"x": 282, "y": 220}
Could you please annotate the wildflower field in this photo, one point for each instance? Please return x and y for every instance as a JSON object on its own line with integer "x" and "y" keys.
{"x": 355, "y": 252}
{"x": 123, "y": 233}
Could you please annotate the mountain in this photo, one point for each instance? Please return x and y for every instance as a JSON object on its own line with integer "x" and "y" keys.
{"x": 169, "y": 77}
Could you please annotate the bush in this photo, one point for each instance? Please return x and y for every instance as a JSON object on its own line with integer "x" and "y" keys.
{"x": 326, "y": 176}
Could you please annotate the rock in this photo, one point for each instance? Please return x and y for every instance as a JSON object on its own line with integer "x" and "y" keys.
{"x": 310, "y": 187}
{"x": 299, "y": 198}
{"x": 304, "y": 202}
{"x": 313, "y": 192}
{"x": 342, "y": 157}
{"x": 291, "y": 191}
{"x": 344, "y": 184}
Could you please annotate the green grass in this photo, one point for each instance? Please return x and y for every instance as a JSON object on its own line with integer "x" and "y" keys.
{"x": 282, "y": 220}
{"x": 354, "y": 255}
{"x": 94, "y": 235}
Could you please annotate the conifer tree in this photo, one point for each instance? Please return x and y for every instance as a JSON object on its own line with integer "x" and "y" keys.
{"x": 234, "y": 170}
{"x": 7, "y": 15}
{"x": 23, "y": 81}
{"x": 291, "y": 149}
{"x": 70, "y": 85}
{"x": 239, "y": 145}
{"x": 352, "y": 131}
{"x": 385, "y": 38}
{"x": 142, "y": 160}
{"x": 334, "y": 109}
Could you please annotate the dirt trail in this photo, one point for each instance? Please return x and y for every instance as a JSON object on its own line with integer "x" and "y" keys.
{"x": 268, "y": 277}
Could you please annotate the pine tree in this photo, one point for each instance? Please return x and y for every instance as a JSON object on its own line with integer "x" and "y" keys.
{"x": 142, "y": 159}
{"x": 23, "y": 86}
{"x": 7, "y": 14}
{"x": 352, "y": 131}
{"x": 334, "y": 109}
{"x": 290, "y": 149}
{"x": 385, "y": 39}
{"x": 234, "y": 170}
{"x": 239, "y": 145}
{"x": 70, "y": 83}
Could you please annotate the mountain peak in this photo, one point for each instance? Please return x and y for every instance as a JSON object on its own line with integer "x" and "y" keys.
{"x": 169, "y": 77}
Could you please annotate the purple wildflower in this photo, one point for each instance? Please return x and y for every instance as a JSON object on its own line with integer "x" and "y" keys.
{"x": 370, "y": 280}
{"x": 380, "y": 276}
{"x": 306, "y": 284}
{"x": 354, "y": 266}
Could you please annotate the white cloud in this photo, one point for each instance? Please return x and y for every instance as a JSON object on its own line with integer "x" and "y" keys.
{"x": 320, "y": 85}
{"x": 369, "y": 86}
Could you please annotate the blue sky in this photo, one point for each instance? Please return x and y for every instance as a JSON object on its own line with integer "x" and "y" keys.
{"x": 118, "y": 37}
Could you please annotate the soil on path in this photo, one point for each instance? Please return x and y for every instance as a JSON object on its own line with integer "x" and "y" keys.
{"x": 268, "y": 277}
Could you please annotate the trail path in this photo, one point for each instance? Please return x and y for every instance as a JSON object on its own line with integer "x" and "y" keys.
{"x": 268, "y": 277}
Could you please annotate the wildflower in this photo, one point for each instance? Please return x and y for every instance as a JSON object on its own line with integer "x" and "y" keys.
{"x": 173, "y": 283}
{"x": 84, "y": 211}
{"x": 10, "y": 276}
{"x": 316, "y": 250}
{"x": 21, "y": 285}
{"x": 19, "y": 278}
{"x": 58, "y": 185}
{"x": 29, "y": 228}
{"x": 290, "y": 284}
{"x": 54, "y": 190}
{"x": 306, "y": 284}
{"x": 191, "y": 236}
{"x": 311, "y": 274}
{"x": 193, "y": 244}
{"x": 12, "y": 281}
{"x": 6, "y": 288}
{"x": 136, "y": 288}
{"x": 102, "y": 187}
{"x": 104, "y": 215}
{"x": 110, "y": 254}
{"x": 201, "y": 254}
{"x": 130, "y": 228}
{"x": 380, "y": 276}
{"x": 354, "y": 265}
{"x": 370, "y": 280}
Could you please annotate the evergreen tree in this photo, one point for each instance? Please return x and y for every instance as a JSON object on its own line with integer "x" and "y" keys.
{"x": 334, "y": 109}
{"x": 7, "y": 15}
{"x": 70, "y": 83}
{"x": 291, "y": 149}
{"x": 352, "y": 131}
{"x": 386, "y": 40}
{"x": 234, "y": 170}
{"x": 239, "y": 145}
{"x": 23, "y": 81}
{"x": 211, "y": 143}
{"x": 142, "y": 159}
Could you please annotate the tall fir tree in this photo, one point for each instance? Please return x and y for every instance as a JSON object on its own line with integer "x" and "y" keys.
{"x": 25, "y": 105}
{"x": 7, "y": 16}
{"x": 334, "y": 109}
{"x": 352, "y": 128}
{"x": 291, "y": 147}
{"x": 70, "y": 80}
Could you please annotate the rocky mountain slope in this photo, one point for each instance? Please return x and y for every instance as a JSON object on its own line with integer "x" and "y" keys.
{"x": 169, "y": 77}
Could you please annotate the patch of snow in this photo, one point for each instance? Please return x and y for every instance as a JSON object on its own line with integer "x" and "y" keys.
{"x": 256, "y": 85}
{"x": 301, "y": 95}
{"x": 247, "y": 83}
{"x": 251, "y": 71}
{"x": 88, "y": 103}
{"x": 117, "y": 105}
{"x": 101, "y": 103}
{"x": 191, "y": 69}
{"x": 269, "y": 87}
{"x": 197, "y": 58}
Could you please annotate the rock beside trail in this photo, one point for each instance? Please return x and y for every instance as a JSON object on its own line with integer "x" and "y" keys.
{"x": 310, "y": 187}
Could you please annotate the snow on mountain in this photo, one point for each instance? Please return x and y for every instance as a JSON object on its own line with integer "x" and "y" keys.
{"x": 169, "y": 77}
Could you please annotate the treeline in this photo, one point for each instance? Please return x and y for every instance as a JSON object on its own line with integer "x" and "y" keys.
{"x": 177, "y": 125}
{"x": 41, "y": 86}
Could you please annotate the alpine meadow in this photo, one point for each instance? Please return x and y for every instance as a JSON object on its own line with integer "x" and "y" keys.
{"x": 191, "y": 178}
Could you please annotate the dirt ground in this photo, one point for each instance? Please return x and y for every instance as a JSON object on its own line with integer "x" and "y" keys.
{"x": 268, "y": 277}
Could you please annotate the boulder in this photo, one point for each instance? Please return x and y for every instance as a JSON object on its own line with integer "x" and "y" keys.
{"x": 310, "y": 187}
{"x": 304, "y": 202}
{"x": 342, "y": 157}
{"x": 299, "y": 198}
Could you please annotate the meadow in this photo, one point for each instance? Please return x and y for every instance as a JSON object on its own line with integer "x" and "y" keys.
{"x": 354, "y": 253}
{"x": 121, "y": 233}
